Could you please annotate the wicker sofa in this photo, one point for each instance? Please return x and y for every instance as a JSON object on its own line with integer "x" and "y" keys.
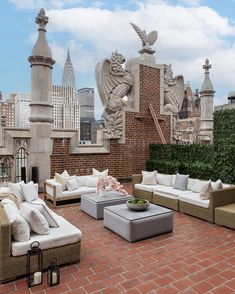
{"x": 186, "y": 201}
{"x": 62, "y": 242}
{"x": 55, "y": 195}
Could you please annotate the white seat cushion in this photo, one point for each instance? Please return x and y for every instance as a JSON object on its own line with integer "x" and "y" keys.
{"x": 194, "y": 198}
{"x": 168, "y": 192}
{"x": 65, "y": 234}
{"x": 148, "y": 188}
{"x": 79, "y": 191}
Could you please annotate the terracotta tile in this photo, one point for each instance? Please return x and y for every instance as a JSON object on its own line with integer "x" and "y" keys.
{"x": 187, "y": 261}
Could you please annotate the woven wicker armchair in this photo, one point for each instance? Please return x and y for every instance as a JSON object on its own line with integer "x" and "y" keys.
{"x": 15, "y": 266}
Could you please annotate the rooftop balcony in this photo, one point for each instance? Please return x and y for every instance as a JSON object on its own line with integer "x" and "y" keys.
{"x": 197, "y": 257}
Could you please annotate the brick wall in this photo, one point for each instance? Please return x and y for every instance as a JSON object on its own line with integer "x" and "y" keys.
{"x": 123, "y": 159}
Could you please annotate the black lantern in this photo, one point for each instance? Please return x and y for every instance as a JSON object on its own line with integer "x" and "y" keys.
{"x": 53, "y": 273}
{"x": 34, "y": 265}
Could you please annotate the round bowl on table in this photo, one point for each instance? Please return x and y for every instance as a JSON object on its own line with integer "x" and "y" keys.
{"x": 138, "y": 206}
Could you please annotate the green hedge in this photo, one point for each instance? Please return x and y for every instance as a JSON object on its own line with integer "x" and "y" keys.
{"x": 201, "y": 161}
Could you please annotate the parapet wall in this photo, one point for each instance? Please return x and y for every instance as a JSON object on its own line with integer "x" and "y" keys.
{"x": 122, "y": 159}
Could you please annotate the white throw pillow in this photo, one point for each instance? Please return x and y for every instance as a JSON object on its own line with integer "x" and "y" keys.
{"x": 205, "y": 191}
{"x": 92, "y": 181}
{"x": 29, "y": 191}
{"x": 15, "y": 189}
{"x": 47, "y": 213}
{"x": 72, "y": 184}
{"x": 62, "y": 180}
{"x": 20, "y": 230}
{"x": 65, "y": 174}
{"x": 217, "y": 185}
{"x": 149, "y": 178}
{"x": 97, "y": 173}
{"x": 163, "y": 179}
{"x": 181, "y": 182}
{"x": 81, "y": 180}
{"x": 36, "y": 220}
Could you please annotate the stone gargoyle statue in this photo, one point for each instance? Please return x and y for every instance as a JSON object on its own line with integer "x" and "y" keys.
{"x": 113, "y": 83}
{"x": 173, "y": 90}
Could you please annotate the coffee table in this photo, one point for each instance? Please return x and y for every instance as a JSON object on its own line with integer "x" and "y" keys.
{"x": 93, "y": 204}
{"x": 138, "y": 225}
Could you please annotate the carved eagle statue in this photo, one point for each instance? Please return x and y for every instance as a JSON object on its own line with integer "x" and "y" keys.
{"x": 147, "y": 39}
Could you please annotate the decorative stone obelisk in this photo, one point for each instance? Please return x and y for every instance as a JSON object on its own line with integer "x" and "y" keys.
{"x": 207, "y": 106}
{"x": 41, "y": 119}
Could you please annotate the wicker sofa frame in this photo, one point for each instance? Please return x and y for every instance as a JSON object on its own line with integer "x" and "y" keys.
{"x": 12, "y": 267}
{"x": 217, "y": 198}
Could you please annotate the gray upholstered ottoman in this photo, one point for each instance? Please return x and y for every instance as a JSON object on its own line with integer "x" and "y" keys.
{"x": 138, "y": 225}
{"x": 93, "y": 204}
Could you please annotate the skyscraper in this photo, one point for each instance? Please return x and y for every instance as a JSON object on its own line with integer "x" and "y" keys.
{"x": 68, "y": 77}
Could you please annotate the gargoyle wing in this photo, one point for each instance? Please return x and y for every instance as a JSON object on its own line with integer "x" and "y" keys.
{"x": 140, "y": 33}
{"x": 105, "y": 80}
{"x": 179, "y": 90}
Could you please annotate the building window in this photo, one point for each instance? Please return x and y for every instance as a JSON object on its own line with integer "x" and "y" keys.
{"x": 21, "y": 161}
{"x": 5, "y": 170}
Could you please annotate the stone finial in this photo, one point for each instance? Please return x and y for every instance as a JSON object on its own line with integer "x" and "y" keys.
{"x": 42, "y": 19}
{"x": 206, "y": 66}
{"x": 147, "y": 39}
{"x": 207, "y": 86}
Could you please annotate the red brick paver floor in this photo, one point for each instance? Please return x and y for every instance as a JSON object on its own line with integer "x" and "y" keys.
{"x": 197, "y": 257}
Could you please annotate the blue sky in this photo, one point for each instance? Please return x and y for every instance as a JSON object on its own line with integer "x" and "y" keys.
{"x": 189, "y": 31}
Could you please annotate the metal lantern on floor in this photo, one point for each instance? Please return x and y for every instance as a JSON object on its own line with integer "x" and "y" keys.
{"x": 34, "y": 265}
{"x": 53, "y": 273}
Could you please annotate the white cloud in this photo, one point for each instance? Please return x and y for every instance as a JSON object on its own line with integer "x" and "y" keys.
{"x": 187, "y": 36}
{"x": 48, "y": 4}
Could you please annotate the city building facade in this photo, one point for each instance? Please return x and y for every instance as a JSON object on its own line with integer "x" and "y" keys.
{"x": 22, "y": 101}
{"x": 7, "y": 113}
{"x": 87, "y": 119}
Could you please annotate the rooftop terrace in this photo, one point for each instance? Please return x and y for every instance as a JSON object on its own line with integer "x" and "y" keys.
{"x": 197, "y": 257}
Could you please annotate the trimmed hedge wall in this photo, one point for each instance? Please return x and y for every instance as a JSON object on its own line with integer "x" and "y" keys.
{"x": 201, "y": 161}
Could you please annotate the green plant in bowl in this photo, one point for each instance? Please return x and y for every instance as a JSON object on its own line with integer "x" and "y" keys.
{"x": 137, "y": 204}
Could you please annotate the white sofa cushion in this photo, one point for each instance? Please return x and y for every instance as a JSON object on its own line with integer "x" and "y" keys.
{"x": 198, "y": 185}
{"x": 46, "y": 212}
{"x": 181, "y": 182}
{"x": 81, "y": 180}
{"x": 65, "y": 234}
{"x": 36, "y": 220}
{"x": 62, "y": 179}
{"x": 72, "y": 184}
{"x": 15, "y": 189}
{"x": 168, "y": 192}
{"x": 29, "y": 191}
{"x": 149, "y": 178}
{"x": 148, "y": 188}
{"x": 191, "y": 183}
{"x": 205, "y": 190}
{"x": 163, "y": 179}
{"x": 79, "y": 191}
{"x": 194, "y": 198}
{"x": 20, "y": 230}
{"x": 92, "y": 181}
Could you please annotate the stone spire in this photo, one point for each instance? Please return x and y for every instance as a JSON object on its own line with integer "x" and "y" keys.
{"x": 68, "y": 78}
{"x": 41, "y": 117}
{"x": 207, "y": 106}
